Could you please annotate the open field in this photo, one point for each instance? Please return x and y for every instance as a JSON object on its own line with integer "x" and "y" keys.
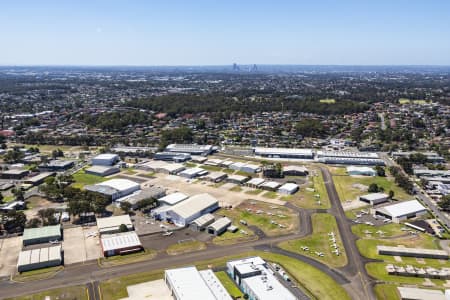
{"x": 184, "y": 247}
{"x": 315, "y": 282}
{"x": 351, "y": 187}
{"x": 265, "y": 216}
{"x": 82, "y": 179}
{"x": 229, "y": 284}
{"x": 408, "y": 101}
{"x": 320, "y": 241}
{"x": 386, "y": 292}
{"x": 309, "y": 199}
{"x": 327, "y": 101}
{"x": 66, "y": 293}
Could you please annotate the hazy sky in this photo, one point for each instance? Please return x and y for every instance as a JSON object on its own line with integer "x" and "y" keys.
{"x": 212, "y": 32}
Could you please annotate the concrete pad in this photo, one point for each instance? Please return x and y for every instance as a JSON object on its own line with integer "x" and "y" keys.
{"x": 152, "y": 290}
{"x": 398, "y": 258}
{"x": 9, "y": 254}
{"x": 79, "y": 246}
{"x": 421, "y": 261}
{"x": 428, "y": 282}
{"x": 447, "y": 284}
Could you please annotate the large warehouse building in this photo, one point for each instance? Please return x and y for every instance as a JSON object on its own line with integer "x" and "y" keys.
{"x": 192, "y": 149}
{"x": 102, "y": 170}
{"x": 190, "y": 209}
{"x": 120, "y": 243}
{"x": 39, "y": 258}
{"x": 412, "y": 252}
{"x": 374, "y": 198}
{"x": 114, "y": 188}
{"x": 106, "y": 159}
{"x": 401, "y": 211}
{"x": 41, "y": 235}
{"x": 349, "y": 158}
{"x": 284, "y": 153}
{"x": 190, "y": 284}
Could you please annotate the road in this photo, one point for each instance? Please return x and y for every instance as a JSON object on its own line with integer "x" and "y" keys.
{"x": 382, "y": 121}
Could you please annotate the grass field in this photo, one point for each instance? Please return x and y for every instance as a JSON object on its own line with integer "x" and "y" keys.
{"x": 211, "y": 168}
{"x": 260, "y": 214}
{"x": 347, "y": 188}
{"x": 327, "y": 101}
{"x": 236, "y": 188}
{"x": 127, "y": 259}
{"x": 389, "y": 230}
{"x": 229, "y": 284}
{"x": 185, "y": 247}
{"x": 408, "y": 101}
{"x": 312, "y": 280}
{"x": 319, "y": 241}
{"x": 82, "y": 179}
{"x": 254, "y": 192}
{"x": 307, "y": 199}
{"x": 404, "y": 101}
{"x": 190, "y": 165}
{"x": 386, "y": 292}
{"x": 37, "y": 274}
{"x": 270, "y": 195}
{"x": 67, "y": 293}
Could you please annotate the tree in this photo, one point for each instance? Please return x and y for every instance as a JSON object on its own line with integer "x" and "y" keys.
{"x": 380, "y": 171}
{"x": 444, "y": 204}
{"x": 47, "y": 216}
{"x": 123, "y": 228}
{"x": 33, "y": 223}
{"x": 310, "y": 128}
{"x": 15, "y": 221}
{"x": 373, "y": 188}
{"x": 18, "y": 193}
{"x": 125, "y": 206}
{"x": 1, "y": 197}
{"x": 391, "y": 194}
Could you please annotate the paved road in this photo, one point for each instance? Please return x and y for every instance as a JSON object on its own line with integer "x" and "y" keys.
{"x": 355, "y": 268}
{"x": 382, "y": 121}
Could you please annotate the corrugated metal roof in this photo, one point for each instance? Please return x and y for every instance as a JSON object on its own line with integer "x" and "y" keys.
{"x": 193, "y": 205}
{"x": 41, "y": 232}
{"x": 120, "y": 241}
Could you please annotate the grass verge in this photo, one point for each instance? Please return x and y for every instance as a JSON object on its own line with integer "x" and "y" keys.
{"x": 184, "y": 247}
{"x": 66, "y": 293}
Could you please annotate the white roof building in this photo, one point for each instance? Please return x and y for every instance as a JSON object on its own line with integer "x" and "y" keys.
{"x": 288, "y": 188}
{"x": 193, "y": 172}
{"x": 173, "y": 198}
{"x": 105, "y": 159}
{"x": 410, "y": 293}
{"x": 270, "y": 185}
{"x": 256, "y": 182}
{"x": 113, "y": 244}
{"x": 284, "y": 153}
{"x": 401, "y": 211}
{"x": 367, "y": 171}
{"x": 374, "y": 198}
{"x": 187, "y": 211}
{"x": 39, "y": 258}
{"x": 112, "y": 224}
{"x": 189, "y": 284}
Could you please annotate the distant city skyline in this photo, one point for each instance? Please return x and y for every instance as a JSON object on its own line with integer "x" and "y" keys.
{"x": 203, "y": 33}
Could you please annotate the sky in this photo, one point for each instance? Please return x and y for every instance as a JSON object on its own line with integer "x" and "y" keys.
{"x": 214, "y": 32}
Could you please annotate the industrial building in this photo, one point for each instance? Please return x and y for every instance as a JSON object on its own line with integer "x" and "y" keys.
{"x": 111, "y": 225}
{"x": 120, "y": 243}
{"x": 114, "y": 188}
{"x": 190, "y": 284}
{"x": 270, "y": 186}
{"x": 237, "y": 179}
{"x": 193, "y": 173}
{"x": 284, "y": 153}
{"x": 295, "y": 171}
{"x": 105, "y": 159}
{"x": 401, "y": 211}
{"x": 39, "y": 178}
{"x": 412, "y": 252}
{"x": 349, "y": 158}
{"x": 288, "y": 188}
{"x": 57, "y": 165}
{"x": 361, "y": 171}
{"x": 102, "y": 170}
{"x": 161, "y": 167}
{"x": 257, "y": 280}
{"x": 202, "y": 222}
{"x": 410, "y": 293}
{"x": 255, "y": 182}
{"x": 243, "y": 167}
{"x": 153, "y": 192}
{"x": 374, "y": 198}
{"x": 219, "y": 226}
{"x": 431, "y": 173}
{"x": 193, "y": 149}
{"x": 39, "y": 258}
{"x": 41, "y": 235}
{"x": 216, "y": 176}
{"x": 190, "y": 209}
{"x": 172, "y": 156}
{"x": 172, "y": 199}
{"x": 15, "y": 174}
{"x": 431, "y": 157}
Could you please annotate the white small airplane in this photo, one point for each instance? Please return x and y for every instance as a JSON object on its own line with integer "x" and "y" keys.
{"x": 168, "y": 233}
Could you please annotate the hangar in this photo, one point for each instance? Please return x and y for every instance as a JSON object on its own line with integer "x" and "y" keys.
{"x": 284, "y": 153}
{"x": 39, "y": 258}
{"x": 374, "y": 198}
{"x": 401, "y": 211}
{"x": 172, "y": 199}
{"x": 105, "y": 159}
{"x": 412, "y": 252}
{"x": 120, "y": 243}
{"x": 188, "y": 210}
{"x": 219, "y": 226}
{"x": 361, "y": 171}
{"x": 114, "y": 188}
{"x": 102, "y": 170}
{"x": 192, "y": 149}
{"x": 41, "y": 235}
{"x": 288, "y": 188}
